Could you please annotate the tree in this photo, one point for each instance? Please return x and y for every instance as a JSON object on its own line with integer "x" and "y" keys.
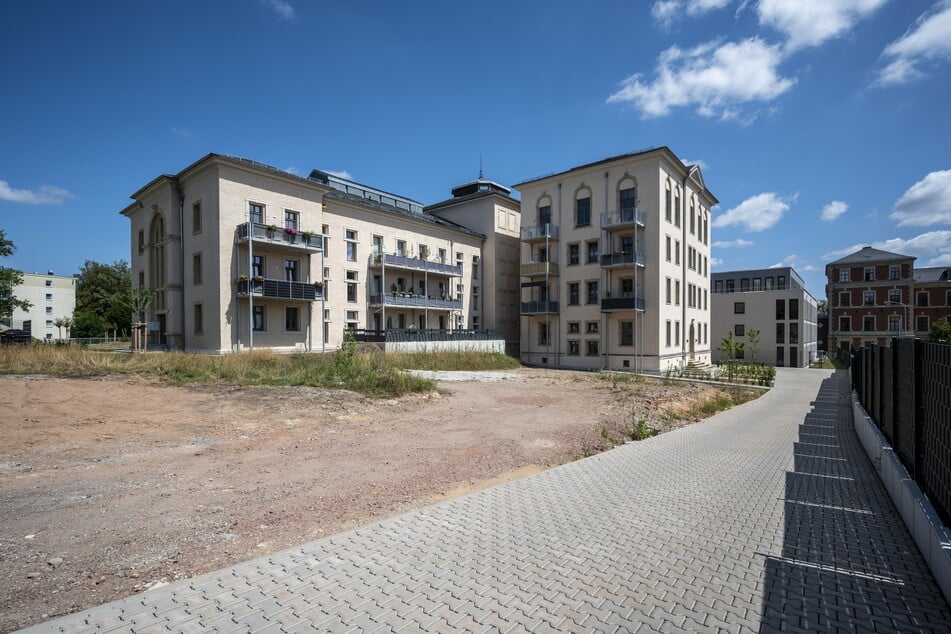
{"x": 752, "y": 340}
{"x": 822, "y": 308}
{"x": 731, "y": 346}
{"x": 63, "y": 322}
{"x": 940, "y": 331}
{"x": 102, "y": 292}
{"x": 9, "y": 278}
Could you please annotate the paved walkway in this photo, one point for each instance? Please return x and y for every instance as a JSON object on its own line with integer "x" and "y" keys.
{"x": 765, "y": 518}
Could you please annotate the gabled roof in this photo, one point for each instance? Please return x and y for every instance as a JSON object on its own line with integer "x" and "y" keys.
{"x": 868, "y": 254}
{"x": 933, "y": 274}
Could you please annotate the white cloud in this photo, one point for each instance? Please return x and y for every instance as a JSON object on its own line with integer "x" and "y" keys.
{"x": 756, "y": 213}
{"x": 340, "y": 174}
{"x": 43, "y": 195}
{"x": 738, "y": 243}
{"x": 701, "y": 164}
{"x": 716, "y": 262}
{"x": 932, "y": 248}
{"x": 714, "y": 77}
{"x": 928, "y": 40}
{"x": 833, "y": 210}
{"x": 789, "y": 260}
{"x": 927, "y": 202}
{"x": 809, "y": 267}
{"x": 292, "y": 170}
{"x": 283, "y": 9}
{"x": 665, "y": 11}
{"x": 812, "y": 22}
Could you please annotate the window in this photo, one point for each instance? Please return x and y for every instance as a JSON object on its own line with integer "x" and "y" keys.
{"x": 141, "y": 241}
{"x": 780, "y": 309}
{"x": 401, "y": 247}
{"x": 769, "y": 283}
{"x": 677, "y": 292}
{"x": 921, "y": 298}
{"x": 627, "y": 287}
{"x": 668, "y": 334}
{"x": 845, "y": 275}
{"x": 894, "y": 323}
{"x": 593, "y": 252}
{"x": 729, "y": 286}
{"x": 574, "y": 256}
{"x": 869, "y": 273}
{"x": 574, "y": 297}
{"x": 894, "y": 272}
{"x": 667, "y": 204}
{"x": 49, "y": 310}
{"x": 739, "y": 308}
{"x": 628, "y": 201}
{"x": 49, "y": 297}
{"x": 677, "y": 252}
{"x": 196, "y": 217}
{"x": 543, "y": 338}
{"x": 667, "y": 248}
{"x": 781, "y": 282}
{"x": 574, "y": 348}
{"x": 739, "y": 330}
{"x": 894, "y": 295}
{"x": 592, "y": 347}
{"x": 351, "y": 251}
{"x": 676, "y": 333}
{"x": 627, "y": 333}
{"x": 574, "y": 327}
{"x": 197, "y": 319}
{"x": 794, "y": 309}
{"x": 256, "y": 213}
{"x": 780, "y": 333}
{"x": 705, "y": 299}
{"x": 744, "y": 285}
{"x": 291, "y": 220}
{"x": 868, "y": 298}
{"x": 544, "y": 215}
{"x": 868, "y": 323}
{"x": 257, "y": 317}
{"x": 677, "y": 209}
{"x": 718, "y": 286}
{"x": 290, "y": 271}
{"x": 845, "y": 324}
{"x": 693, "y": 219}
{"x": 257, "y": 266}
{"x": 196, "y": 268}
{"x": 793, "y": 333}
{"x": 921, "y": 323}
{"x": 780, "y": 354}
{"x": 49, "y": 282}
{"x": 141, "y": 279}
{"x": 291, "y": 319}
{"x": 667, "y": 289}
{"x": 757, "y": 284}
{"x": 592, "y": 292}
{"x": 591, "y": 327}
{"x": 583, "y": 212}
{"x": 845, "y": 299}
{"x": 351, "y": 315}
{"x": 947, "y": 299}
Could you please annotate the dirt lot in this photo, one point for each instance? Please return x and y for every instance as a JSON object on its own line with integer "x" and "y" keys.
{"x": 108, "y": 487}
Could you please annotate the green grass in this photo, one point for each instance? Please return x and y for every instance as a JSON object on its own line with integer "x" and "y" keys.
{"x": 371, "y": 374}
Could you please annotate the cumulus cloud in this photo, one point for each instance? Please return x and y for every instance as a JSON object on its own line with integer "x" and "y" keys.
{"x": 43, "y": 195}
{"x": 756, "y": 213}
{"x": 932, "y": 248}
{"x": 833, "y": 210}
{"x": 701, "y": 164}
{"x": 728, "y": 244}
{"x": 789, "y": 260}
{"x": 929, "y": 40}
{"x": 283, "y": 9}
{"x": 808, "y": 23}
{"x": 713, "y": 77}
{"x": 716, "y": 262}
{"x": 666, "y": 11}
{"x": 927, "y": 202}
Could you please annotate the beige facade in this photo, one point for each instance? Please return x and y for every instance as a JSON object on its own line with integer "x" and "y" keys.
{"x": 51, "y": 297}
{"x": 241, "y": 255}
{"x": 774, "y": 303}
{"x": 615, "y": 265}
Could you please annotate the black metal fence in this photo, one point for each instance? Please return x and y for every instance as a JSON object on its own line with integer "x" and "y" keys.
{"x": 906, "y": 389}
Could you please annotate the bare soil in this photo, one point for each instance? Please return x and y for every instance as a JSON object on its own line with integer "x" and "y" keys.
{"x": 109, "y": 487}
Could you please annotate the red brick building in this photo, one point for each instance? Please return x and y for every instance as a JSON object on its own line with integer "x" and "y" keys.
{"x": 875, "y": 295}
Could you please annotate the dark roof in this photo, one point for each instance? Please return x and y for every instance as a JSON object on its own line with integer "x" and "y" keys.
{"x": 462, "y": 199}
{"x": 933, "y": 274}
{"x": 335, "y": 194}
{"x": 868, "y": 254}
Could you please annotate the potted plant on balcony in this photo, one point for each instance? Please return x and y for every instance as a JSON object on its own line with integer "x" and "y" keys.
{"x": 306, "y": 236}
{"x": 319, "y": 285}
{"x": 291, "y": 231}
{"x": 241, "y": 278}
{"x": 271, "y": 230}
{"x": 257, "y": 278}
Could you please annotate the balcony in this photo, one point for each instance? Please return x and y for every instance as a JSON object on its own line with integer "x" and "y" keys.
{"x": 626, "y": 258}
{"x": 406, "y": 263}
{"x": 629, "y": 302}
{"x": 540, "y": 308}
{"x": 279, "y": 237}
{"x": 406, "y": 300}
{"x": 624, "y": 218}
{"x": 279, "y": 289}
{"x": 539, "y": 269}
{"x": 540, "y": 233}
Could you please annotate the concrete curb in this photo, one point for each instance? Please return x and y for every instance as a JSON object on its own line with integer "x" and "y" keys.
{"x": 930, "y": 534}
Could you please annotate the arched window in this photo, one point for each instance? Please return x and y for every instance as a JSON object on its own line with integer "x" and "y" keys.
{"x": 157, "y": 260}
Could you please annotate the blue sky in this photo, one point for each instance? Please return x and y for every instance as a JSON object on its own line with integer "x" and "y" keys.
{"x": 821, "y": 125}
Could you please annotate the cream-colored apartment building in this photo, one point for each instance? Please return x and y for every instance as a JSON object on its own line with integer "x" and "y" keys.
{"x": 615, "y": 265}
{"x": 241, "y": 255}
{"x": 51, "y": 297}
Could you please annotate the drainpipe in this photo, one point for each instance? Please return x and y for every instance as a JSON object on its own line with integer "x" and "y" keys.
{"x": 181, "y": 243}
{"x": 684, "y": 333}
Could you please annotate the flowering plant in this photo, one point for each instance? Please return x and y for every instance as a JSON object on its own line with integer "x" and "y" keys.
{"x": 290, "y": 231}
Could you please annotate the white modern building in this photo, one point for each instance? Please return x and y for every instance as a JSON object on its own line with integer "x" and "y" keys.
{"x": 52, "y": 297}
{"x": 615, "y": 265}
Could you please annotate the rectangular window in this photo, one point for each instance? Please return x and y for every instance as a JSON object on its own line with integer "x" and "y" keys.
{"x": 677, "y": 293}
{"x": 729, "y": 286}
{"x": 693, "y": 219}
{"x": 718, "y": 286}
{"x": 781, "y": 282}
{"x": 291, "y": 271}
{"x": 376, "y": 244}
{"x": 49, "y": 310}
{"x": 351, "y": 292}
{"x": 351, "y": 315}
{"x": 543, "y": 337}
{"x": 291, "y": 220}
{"x": 868, "y": 323}
{"x": 141, "y": 241}
{"x": 794, "y": 309}
{"x": 780, "y": 309}
{"x": 921, "y": 323}
{"x": 922, "y": 299}
{"x": 677, "y": 252}
{"x": 592, "y": 347}
{"x": 291, "y": 319}
{"x": 574, "y": 348}
{"x": 793, "y": 333}
{"x": 676, "y": 333}
{"x": 744, "y": 285}
{"x": 667, "y": 248}
{"x": 845, "y": 324}
{"x": 583, "y": 212}
{"x": 845, "y": 275}
{"x": 197, "y": 318}
{"x": 739, "y": 330}
{"x": 667, "y": 205}
{"x": 869, "y": 273}
{"x": 256, "y": 213}
{"x": 592, "y": 292}
{"x": 257, "y": 316}
{"x": 894, "y": 295}
{"x": 769, "y": 283}
{"x": 780, "y": 333}
{"x": 757, "y": 284}
{"x": 574, "y": 327}
{"x": 627, "y": 287}
{"x": 845, "y": 299}
{"x": 627, "y": 333}
{"x": 668, "y": 290}
{"x": 894, "y": 272}
{"x": 574, "y": 256}
{"x": 196, "y": 268}
{"x": 257, "y": 266}
{"x": 544, "y": 215}
{"x": 593, "y": 252}
{"x": 591, "y": 327}
{"x": 141, "y": 279}
{"x": 196, "y": 217}
{"x": 894, "y": 323}
{"x": 49, "y": 297}
{"x": 668, "y": 333}
{"x": 351, "y": 251}
{"x": 947, "y": 299}
{"x": 780, "y": 354}
{"x": 739, "y": 308}
{"x": 401, "y": 247}
{"x": 574, "y": 294}
{"x": 868, "y": 298}
{"x": 677, "y": 209}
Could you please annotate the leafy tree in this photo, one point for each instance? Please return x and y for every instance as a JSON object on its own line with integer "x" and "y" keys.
{"x": 731, "y": 346}
{"x": 752, "y": 340}
{"x": 940, "y": 331}
{"x": 822, "y": 308}
{"x": 102, "y": 299}
{"x": 63, "y": 322}
{"x": 8, "y": 279}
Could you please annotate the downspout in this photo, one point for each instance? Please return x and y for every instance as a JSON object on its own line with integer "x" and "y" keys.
{"x": 181, "y": 243}
{"x": 684, "y": 332}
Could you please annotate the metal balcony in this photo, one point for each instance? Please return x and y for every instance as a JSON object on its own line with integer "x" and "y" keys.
{"x": 539, "y": 269}
{"x": 279, "y": 289}
{"x": 539, "y": 233}
{"x": 406, "y": 300}
{"x": 540, "y": 308}
{"x": 274, "y": 236}
{"x": 626, "y": 258}
{"x": 406, "y": 263}
{"x": 623, "y": 218}
{"x": 631, "y": 302}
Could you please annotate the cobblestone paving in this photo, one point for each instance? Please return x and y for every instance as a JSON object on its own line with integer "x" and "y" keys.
{"x": 765, "y": 518}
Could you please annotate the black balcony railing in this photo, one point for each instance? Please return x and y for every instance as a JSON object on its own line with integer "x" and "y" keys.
{"x": 540, "y": 308}
{"x": 279, "y": 289}
{"x": 622, "y": 303}
{"x": 279, "y": 236}
{"x": 415, "y": 264}
{"x": 405, "y": 300}
{"x": 625, "y": 258}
